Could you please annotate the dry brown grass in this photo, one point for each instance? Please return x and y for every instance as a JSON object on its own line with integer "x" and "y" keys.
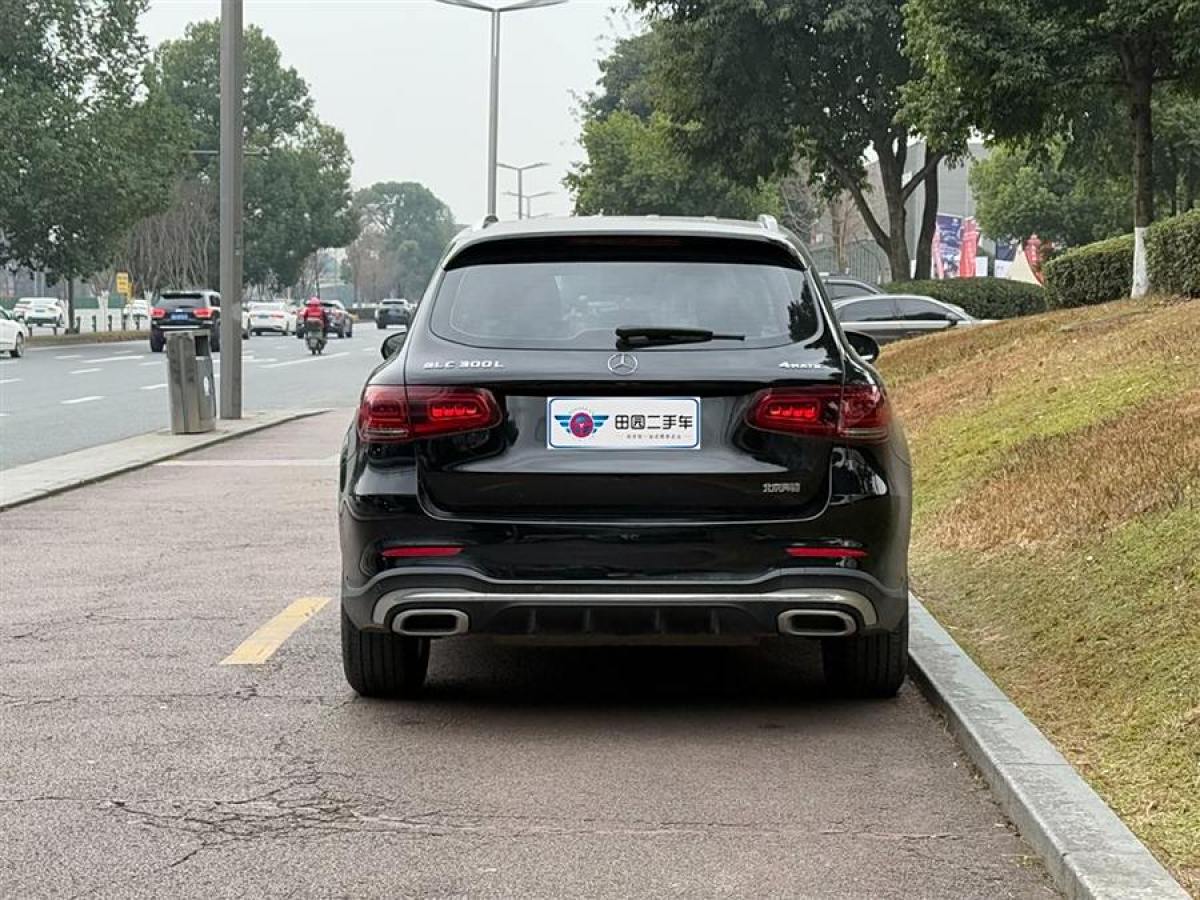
{"x": 1057, "y": 535}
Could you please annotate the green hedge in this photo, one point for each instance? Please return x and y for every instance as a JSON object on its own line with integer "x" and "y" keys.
{"x": 984, "y": 298}
{"x": 1100, "y": 272}
{"x": 1173, "y": 255}
{"x": 1094, "y": 273}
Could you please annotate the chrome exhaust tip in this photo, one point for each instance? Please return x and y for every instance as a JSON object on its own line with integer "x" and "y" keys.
{"x": 431, "y": 622}
{"x": 816, "y": 623}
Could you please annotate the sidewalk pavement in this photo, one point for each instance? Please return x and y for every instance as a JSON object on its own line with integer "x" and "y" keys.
{"x": 23, "y": 484}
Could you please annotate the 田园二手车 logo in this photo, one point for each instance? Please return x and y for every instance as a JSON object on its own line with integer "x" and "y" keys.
{"x": 582, "y": 423}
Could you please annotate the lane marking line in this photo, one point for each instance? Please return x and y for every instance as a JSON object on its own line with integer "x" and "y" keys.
{"x": 153, "y": 387}
{"x": 127, "y": 356}
{"x": 259, "y": 647}
{"x": 9, "y": 380}
{"x": 71, "y": 356}
{"x": 84, "y": 371}
{"x": 307, "y": 359}
{"x": 153, "y": 362}
{"x": 88, "y": 399}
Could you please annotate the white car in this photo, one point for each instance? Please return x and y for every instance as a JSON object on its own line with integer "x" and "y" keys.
{"x": 12, "y": 335}
{"x": 276, "y": 316}
{"x": 41, "y": 311}
{"x": 137, "y": 308}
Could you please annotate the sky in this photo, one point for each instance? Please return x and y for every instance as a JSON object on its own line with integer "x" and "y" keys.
{"x": 407, "y": 82}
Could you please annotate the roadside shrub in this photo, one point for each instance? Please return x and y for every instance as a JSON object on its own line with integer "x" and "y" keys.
{"x": 1173, "y": 255}
{"x": 1094, "y": 273}
{"x": 984, "y": 298}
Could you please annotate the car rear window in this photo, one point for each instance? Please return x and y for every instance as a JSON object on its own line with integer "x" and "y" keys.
{"x": 177, "y": 300}
{"x": 574, "y": 293}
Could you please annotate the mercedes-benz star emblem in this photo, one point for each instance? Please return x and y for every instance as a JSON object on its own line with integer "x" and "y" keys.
{"x": 622, "y": 364}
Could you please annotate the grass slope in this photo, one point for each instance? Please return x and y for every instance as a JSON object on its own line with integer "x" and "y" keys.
{"x": 1057, "y": 536}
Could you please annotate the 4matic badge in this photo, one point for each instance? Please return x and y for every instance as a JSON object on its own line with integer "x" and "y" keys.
{"x": 463, "y": 364}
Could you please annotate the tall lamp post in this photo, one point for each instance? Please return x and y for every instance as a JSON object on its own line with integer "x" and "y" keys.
{"x": 529, "y": 202}
{"x": 521, "y": 170}
{"x": 232, "y": 79}
{"x": 493, "y": 121}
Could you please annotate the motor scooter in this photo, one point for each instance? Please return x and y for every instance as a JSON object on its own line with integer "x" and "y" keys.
{"x": 314, "y": 336}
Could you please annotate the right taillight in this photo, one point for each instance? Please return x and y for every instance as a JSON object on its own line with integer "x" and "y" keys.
{"x": 391, "y": 414}
{"x": 857, "y": 412}
{"x": 158, "y": 313}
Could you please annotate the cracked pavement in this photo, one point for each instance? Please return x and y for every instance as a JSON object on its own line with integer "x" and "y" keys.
{"x": 133, "y": 765}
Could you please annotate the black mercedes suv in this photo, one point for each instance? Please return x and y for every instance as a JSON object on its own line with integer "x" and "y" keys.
{"x": 625, "y": 430}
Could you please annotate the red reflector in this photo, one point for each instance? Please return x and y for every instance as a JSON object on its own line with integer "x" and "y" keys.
{"x": 414, "y": 552}
{"x": 826, "y": 552}
{"x": 157, "y": 312}
{"x": 392, "y": 413}
{"x": 857, "y": 412}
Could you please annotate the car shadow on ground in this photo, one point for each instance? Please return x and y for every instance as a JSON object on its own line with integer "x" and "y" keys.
{"x": 478, "y": 672}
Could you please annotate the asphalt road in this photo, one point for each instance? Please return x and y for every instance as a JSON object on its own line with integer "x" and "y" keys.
{"x": 135, "y": 764}
{"x": 59, "y": 399}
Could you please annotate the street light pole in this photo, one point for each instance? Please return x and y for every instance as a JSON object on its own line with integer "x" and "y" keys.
{"x": 529, "y": 202}
{"x": 494, "y": 93}
{"x": 521, "y": 170}
{"x": 494, "y": 115}
{"x": 230, "y": 327}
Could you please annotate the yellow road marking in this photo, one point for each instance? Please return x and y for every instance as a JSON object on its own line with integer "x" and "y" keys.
{"x": 257, "y": 648}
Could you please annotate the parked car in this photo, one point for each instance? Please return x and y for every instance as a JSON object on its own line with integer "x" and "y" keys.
{"x": 702, "y": 457}
{"x": 341, "y": 322}
{"x": 275, "y": 316}
{"x": 182, "y": 311}
{"x": 842, "y": 287}
{"x": 393, "y": 311}
{"x": 49, "y": 311}
{"x": 137, "y": 308}
{"x": 892, "y": 317}
{"x": 12, "y": 335}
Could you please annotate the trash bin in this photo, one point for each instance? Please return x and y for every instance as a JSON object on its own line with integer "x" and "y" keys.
{"x": 190, "y": 382}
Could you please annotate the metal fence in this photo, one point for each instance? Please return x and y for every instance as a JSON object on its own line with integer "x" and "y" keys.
{"x": 865, "y": 260}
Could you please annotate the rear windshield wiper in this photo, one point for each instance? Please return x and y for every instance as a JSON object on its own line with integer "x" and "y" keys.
{"x": 630, "y": 337}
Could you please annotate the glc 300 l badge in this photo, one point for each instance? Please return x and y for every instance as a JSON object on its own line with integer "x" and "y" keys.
{"x": 464, "y": 364}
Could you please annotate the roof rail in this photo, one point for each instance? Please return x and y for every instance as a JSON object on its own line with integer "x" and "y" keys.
{"x": 768, "y": 222}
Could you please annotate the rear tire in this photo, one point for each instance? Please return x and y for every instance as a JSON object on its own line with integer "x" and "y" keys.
{"x": 871, "y": 665}
{"x": 382, "y": 664}
{"x": 157, "y": 342}
{"x": 18, "y": 349}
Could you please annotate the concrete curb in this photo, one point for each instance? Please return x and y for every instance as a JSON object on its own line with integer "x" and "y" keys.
{"x": 44, "y": 478}
{"x": 1089, "y": 852}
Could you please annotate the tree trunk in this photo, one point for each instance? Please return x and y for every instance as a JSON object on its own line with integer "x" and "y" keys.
{"x": 928, "y": 226}
{"x": 1141, "y": 83}
{"x": 70, "y": 329}
{"x": 1191, "y": 175}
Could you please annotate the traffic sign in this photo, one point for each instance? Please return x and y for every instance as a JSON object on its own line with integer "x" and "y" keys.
{"x": 123, "y": 284}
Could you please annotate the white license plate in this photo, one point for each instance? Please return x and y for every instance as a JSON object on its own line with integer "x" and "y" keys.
{"x": 623, "y": 423}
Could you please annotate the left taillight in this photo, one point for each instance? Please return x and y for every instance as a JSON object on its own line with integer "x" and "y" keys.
{"x": 158, "y": 313}
{"x": 391, "y": 414}
{"x": 857, "y": 412}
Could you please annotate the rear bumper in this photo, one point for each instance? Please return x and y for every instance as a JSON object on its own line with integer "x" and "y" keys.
{"x": 842, "y": 602}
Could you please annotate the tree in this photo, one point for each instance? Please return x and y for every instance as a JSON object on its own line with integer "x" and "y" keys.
{"x": 404, "y": 230}
{"x": 90, "y": 139}
{"x": 634, "y": 168}
{"x": 297, "y": 176}
{"x": 1023, "y": 67}
{"x": 1023, "y": 191}
{"x": 634, "y": 163}
{"x": 759, "y": 84}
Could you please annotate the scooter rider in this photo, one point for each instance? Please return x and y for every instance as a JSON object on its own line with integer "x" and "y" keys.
{"x": 313, "y": 310}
